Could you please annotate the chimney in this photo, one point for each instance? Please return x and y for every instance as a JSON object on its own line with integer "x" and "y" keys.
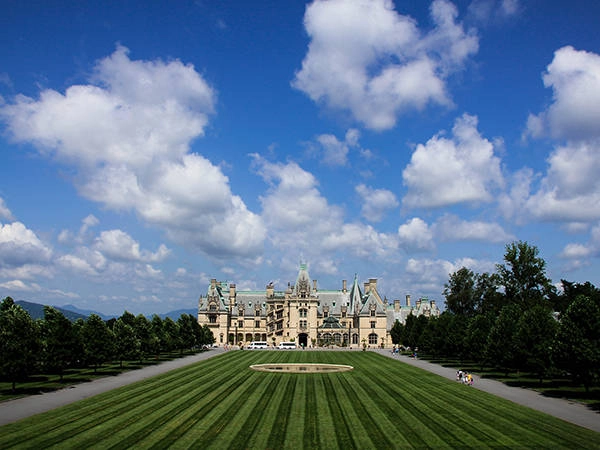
{"x": 397, "y": 305}
{"x": 213, "y": 283}
{"x": 373, "y": 284}
{"x": 408, "y": 300}
{"x": 315, "y": 285}
{"x": 344, "y": 286}
{"x": 367, "y": 286}
{"x": 232, "y": 290}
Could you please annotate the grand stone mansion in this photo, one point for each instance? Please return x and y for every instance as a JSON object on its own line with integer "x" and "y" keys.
{"x": 305, "y": 314}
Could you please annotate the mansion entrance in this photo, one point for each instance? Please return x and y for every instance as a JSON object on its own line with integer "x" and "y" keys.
{"x": 303, "y": 340}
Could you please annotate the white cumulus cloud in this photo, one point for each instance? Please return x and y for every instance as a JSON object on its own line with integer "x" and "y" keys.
{"x": 20, "y": 246}
{"x": 367, "y": 59}
{"x": 463, "y": 169}
{"x": 375, "y": 203}
{"x": 127, "y": 133}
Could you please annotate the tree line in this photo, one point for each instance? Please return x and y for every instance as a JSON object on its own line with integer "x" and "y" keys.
{"x": 514, "y": 320}
{"x": 54, "y": 344}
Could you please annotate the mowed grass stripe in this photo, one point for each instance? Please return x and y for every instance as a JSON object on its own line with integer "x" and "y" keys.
{"x": 167, "y": 423}
{"x": 486, "y": 418}
{"x": 243, "y": 419}
{"x": 85, "y": 416}
{"x": 452, "y": 417}
{"x": 311, "y": 422}
{"x": 366, "y": 431}
{"x": 286, "y": 392}
{"x": 267, "y": 416}
{"x": 141, "y": 420}
{"x": 394, "y": 424}
{"x": 294, "y": 437}
{"x": 343, "y": 429}
{"x": 217, "y": 414}
{"x": 481, "y": 418}
{"x": 326, "y": 436}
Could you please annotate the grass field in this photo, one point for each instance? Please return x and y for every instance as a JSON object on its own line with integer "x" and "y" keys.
{"x": 220, "y": 403}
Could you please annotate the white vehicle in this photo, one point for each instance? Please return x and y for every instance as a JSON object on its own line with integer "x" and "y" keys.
{"x": 287, "y": 346}
{"x": 257, "y": 345}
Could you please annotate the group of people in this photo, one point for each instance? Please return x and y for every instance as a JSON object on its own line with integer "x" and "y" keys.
{"x": 397, "y": 348}
{"x": 464, "y": 377}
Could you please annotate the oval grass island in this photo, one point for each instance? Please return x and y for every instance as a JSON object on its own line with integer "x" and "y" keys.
{"x": 301, "y": 368}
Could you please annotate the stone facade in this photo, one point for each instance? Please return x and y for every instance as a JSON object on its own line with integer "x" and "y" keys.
{"x": 305, "y": 314}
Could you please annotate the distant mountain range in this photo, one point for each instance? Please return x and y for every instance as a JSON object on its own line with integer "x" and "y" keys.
{"x": 36, "y": 311}
{"x": 71, "y": 312}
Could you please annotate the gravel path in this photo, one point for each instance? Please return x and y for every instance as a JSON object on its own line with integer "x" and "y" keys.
{"x": 566, "y": 410}
{"x": 13, "y": 410}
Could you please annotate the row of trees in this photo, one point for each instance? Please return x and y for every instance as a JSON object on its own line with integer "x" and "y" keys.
{"x": 514, "y": 320}
{"x": 55, "y": 344}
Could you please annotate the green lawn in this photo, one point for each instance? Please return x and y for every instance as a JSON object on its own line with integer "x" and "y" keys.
{"x": 220, "y": 403}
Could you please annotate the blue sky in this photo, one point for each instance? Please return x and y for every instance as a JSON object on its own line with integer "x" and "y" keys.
{"x": 146, "y": 148}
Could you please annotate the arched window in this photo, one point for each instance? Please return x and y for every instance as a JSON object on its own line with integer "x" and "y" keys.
{"x": 372, "y": 339}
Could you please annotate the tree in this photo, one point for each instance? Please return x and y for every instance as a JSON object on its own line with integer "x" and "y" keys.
{"x": 571, "y": 291}
{"x": 127, "y": 345}
{"x": 578, "y": 341}
{"x": 208, "y": 338}
{"x": 500, "y": 346}
{"x": 535, "y": 337}
{"x": 19, "y": 342}
{"x": 187, "y": 338}
{"x": 143, "y": 331}
{"x": 128, "y": 318}
{"x": 460, "y": 292}
{"x": 98, "y": 341}
{"x": 58, "y": 340}
{"x": 476, "y": 337}
{"x": 171, "y": 334}
{"x": 524, "y": 275}
{"x": 396, "y": 333}
{"x": 157, "y": 328}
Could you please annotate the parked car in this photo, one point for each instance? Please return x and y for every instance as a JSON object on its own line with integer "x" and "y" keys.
{"x": 287, "y": 346}
{"x": 258, "y": 345}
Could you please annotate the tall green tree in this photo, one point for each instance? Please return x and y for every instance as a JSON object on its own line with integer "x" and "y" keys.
{"x": 460, "y": 292}
{"x": 98, "y": 341}
{"x": 523, "y": 275}
{"x": 187, "y": 338}
{"x": 534, "y": 341}
{"x": 500, "y": 346}
{"x": 396, "y": 333}
{"x": 19, "y": 342}
{"x": 577, "y": 348}
{"x": 476, "y": 337}
{"x": 127, "y": 344}
{"x": 208, "y": 337}
{"x": 171, "y": 334}
{"x": 570, "y": 292}
{"x": 143, "y": 331}
{"x": 59, "y": 341}
{"x": 157, "y": 328}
